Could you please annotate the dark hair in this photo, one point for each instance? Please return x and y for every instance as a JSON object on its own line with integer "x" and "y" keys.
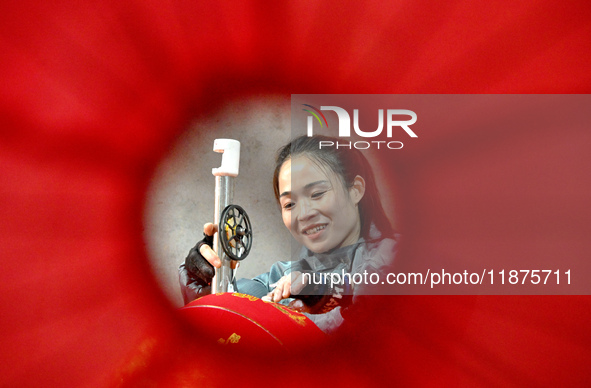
{"x": 346, "y": 163}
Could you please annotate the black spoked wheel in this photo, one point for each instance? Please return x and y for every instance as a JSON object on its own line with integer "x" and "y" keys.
{"x": 235, "y": 232}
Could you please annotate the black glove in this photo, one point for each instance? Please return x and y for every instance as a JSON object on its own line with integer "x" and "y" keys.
{"x": 197, "y": 266}
{"x": 196, "y": 274}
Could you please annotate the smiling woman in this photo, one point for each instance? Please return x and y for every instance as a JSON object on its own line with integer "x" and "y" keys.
{"x": 317, "y": 209}
{"x": 330, "y": 204}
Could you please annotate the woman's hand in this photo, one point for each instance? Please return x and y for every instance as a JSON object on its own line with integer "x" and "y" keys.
{"x": 207, "y": 252}
{"x": 289, "y": 284}
{"x": 198, "y": 270}
{"x": 202, "y": 260}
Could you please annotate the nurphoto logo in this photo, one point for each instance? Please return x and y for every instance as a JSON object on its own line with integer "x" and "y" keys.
{"x": 395, "y": 118}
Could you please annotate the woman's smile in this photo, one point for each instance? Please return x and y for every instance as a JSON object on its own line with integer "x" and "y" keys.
{"x": 313, "y": 232}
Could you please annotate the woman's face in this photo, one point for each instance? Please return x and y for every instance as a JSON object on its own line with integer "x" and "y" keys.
{"x": 315, "y": 206}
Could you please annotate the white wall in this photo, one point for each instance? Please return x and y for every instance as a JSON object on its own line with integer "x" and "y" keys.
{"x": 181, "y": 195}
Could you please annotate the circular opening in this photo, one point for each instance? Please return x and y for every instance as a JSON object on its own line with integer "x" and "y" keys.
{"x": 180, "y": 198}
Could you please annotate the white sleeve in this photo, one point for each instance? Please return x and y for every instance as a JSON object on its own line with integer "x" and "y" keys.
{"x": 329, "y": 321}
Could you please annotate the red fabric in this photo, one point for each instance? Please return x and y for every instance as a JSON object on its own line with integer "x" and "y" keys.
{"x": 94, "y": 92}
{"x": 245, "y": 322}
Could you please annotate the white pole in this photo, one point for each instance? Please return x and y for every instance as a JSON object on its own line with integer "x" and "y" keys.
{"x": 224, "y": 195}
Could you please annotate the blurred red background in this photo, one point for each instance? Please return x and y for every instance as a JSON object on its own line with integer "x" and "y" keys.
{"x": 93, "y": 94}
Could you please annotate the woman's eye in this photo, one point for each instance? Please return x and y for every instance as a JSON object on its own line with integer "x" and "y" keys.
{"x": 288, "y": 205}
{"x": 318, "y": 194}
